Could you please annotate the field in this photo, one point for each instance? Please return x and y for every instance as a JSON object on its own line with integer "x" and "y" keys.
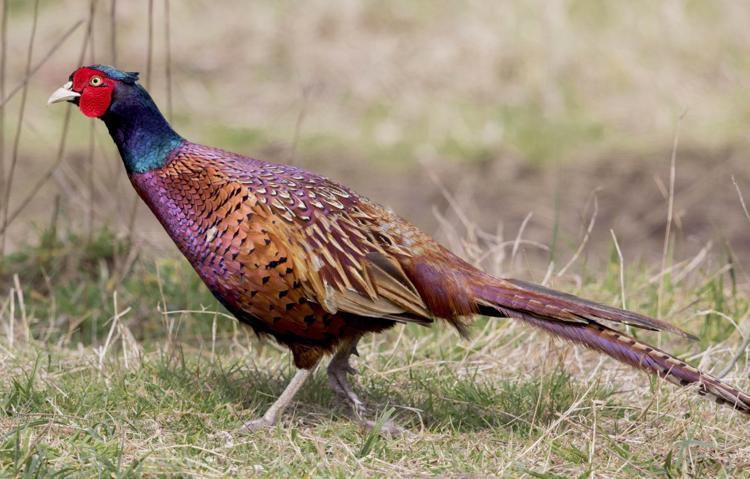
{"x": 597, "y": 147}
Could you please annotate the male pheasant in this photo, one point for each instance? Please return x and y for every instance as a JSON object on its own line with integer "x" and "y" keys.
{"x": 315, "y": 266}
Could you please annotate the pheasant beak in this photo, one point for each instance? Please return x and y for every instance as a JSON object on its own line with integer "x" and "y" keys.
{"x": 64, "y": 93}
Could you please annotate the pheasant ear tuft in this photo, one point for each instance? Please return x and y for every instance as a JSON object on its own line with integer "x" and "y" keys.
{"x": 126, "y": 77}
{"x": 115, "y": 74}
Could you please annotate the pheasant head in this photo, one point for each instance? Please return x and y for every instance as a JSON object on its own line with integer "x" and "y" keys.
{"x": 142, "y": 134}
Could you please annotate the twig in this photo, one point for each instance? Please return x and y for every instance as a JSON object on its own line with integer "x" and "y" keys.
{"x": 586, "y": 236}
{"x": 737, "y": 356}
{"x": 692, "y": 264}
{"x": 746, "y": 342}
{"x": 113, "y": 32}
{"x": 723, "y": 316}
{"x": 213, "y": 339}
{"x": 517, "y": 242}
{"x": 12, "y": 321}
{"x": 90, "y": 157}
{"x": 168, "y": 60}
{"x": 22, "y": 307}
{"x": 742, "y": 199}
{"x": 61, "y": 146}
{"x": 670, "y": 214}
{"x": 131, "y": 220}
{"x": 298, "y": 125}
{"x": 548, "y": 273}
{"x": 90, "y": 178}
{"x": 149, "y": 59}
{"x": 40, "y": 64}
{"x": 101, "y": 352}
{"x": 622, "y": 269}
{"x": 150, "y": 47}
{"x": 452, "y": 201}
{"x": 19, "y": 127}
{"x": 3, "y": 42}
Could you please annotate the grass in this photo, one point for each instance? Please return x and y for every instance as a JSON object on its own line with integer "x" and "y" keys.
{"x": 164, "y": 387}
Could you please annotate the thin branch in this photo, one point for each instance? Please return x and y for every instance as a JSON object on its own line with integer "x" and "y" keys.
{"x": 150, "y": 48}
{"x": 3, "y": 51}
{"x": 622, "y": 269}
{"x": 517, "y": 242}
{"x": 746, "y": 342}
{"x": 742, "y": 199}
{"x": 19, "y": 127}
{"x": 90, "y": 156}
{"x": 90, "y": 181}
{"x": 131, "y": 219}
{"x": 586, "y": 236}
{"x": 670, "y": 215}
{"x": 41, "y": 63}
{"x": 149, "y": 59}
{"x": 168, "y": 60}
{"x": 740, "y": 352}
{"x": 113, "y": 32}
{"x": 61, "y": 146}
{"x": 101, "y": 351}
{"x": 298, "y": 124}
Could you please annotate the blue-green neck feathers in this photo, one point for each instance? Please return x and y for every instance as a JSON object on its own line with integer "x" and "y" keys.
{"x": 142, "y": 134}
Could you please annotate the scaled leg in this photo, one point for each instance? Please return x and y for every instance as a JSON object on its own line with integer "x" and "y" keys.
{"x": 338, "y": 369}
{"x": 277, "y": 408}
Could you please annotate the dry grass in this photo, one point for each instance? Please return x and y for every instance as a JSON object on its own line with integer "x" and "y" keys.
{"x": 477, "y": 410}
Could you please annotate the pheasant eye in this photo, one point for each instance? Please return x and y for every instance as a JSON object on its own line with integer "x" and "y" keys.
{"x": 95, "y": 81}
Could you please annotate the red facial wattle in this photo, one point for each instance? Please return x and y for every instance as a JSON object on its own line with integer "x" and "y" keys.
{"x": 95, "y": 99}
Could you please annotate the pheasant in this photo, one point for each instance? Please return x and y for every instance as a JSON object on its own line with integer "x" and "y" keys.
{"x": 315, "y": 266}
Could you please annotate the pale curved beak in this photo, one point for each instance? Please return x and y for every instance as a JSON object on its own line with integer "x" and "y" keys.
{"x": 64, "y": 93}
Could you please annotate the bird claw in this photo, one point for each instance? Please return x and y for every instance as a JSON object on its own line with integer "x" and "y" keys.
{"x": 338, "y": 369}
{"x": 358, "y": 407}
{"x": 389, "y": 428}
{"x": 255, "y": 425}
{"x": 339, "y": 384}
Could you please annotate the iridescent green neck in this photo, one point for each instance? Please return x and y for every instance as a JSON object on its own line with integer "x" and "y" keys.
{"x": 142, "y": 134}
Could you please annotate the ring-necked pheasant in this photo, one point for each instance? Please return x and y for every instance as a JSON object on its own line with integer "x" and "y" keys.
{"x": 316, "y": 266}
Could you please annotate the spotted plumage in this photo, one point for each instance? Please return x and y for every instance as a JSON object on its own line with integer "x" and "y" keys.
{"x": 315, "y": 266}
{"x": 292, "y": 254}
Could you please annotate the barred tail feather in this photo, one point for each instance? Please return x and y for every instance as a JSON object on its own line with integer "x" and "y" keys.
{"x": 545, "y": 302}
{"x": 588, "y": 331}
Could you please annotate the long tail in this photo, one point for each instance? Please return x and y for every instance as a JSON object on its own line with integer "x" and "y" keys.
{"x": 580, "y": 321}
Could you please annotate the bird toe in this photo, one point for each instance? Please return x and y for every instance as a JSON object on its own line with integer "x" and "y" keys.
{"x": 389, "y": 428}
{"x": 255, "y": 425}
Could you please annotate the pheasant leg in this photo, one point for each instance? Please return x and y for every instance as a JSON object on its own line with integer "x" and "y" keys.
{"x": 338, "y": 370}
{"x": 277, "y": 408}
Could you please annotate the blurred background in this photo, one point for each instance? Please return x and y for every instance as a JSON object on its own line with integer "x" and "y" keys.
{"x": 524, "y": 122}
